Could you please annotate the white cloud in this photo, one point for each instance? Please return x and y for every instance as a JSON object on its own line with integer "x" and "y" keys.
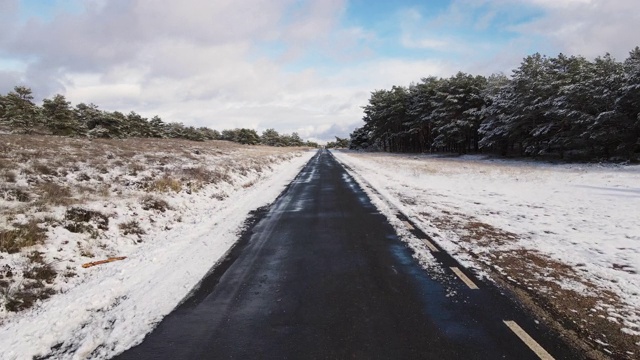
{"x": 194, "y": 63}
{"x": 588, "y": 27}
{"x": 202, "y": 62}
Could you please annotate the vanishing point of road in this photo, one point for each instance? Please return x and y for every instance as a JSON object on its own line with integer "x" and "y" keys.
{"x": 321, "y": 274}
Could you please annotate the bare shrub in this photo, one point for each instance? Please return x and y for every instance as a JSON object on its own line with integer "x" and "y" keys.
{"x": 221, "y": 175}
{"x": 55, "y": 194}
{"x": 27, "y": 297}
{"x": 37, "y": 279}
{"x": 24, "y": 235}
{"x": 43, "y": 169}
{"x": 131, "y": 227}
{"x": 9, "y": 176}
{"x": 102, "y": 169}
{"x": 76, "y": 214}
{"x": 165, "y": 184}
{"x": 200, "y": 174}
{"x": 219, "y": 196}
{"x": 78, "y": 220}
{"x": 15, "y": 194}
{"x": 151, "y": 202}
{"x": 136, "y": 168}
{"x": 41, "y": 272}
{"x": 83, "y": 177}
{"x": 249, "y": 184}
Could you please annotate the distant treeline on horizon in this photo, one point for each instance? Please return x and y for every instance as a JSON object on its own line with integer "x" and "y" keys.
{"x": 56, "y": 116}
{"x": 563, "y": 107}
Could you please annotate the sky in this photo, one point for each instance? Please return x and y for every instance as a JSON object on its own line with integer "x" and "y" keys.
{"x": 305, "y": 66}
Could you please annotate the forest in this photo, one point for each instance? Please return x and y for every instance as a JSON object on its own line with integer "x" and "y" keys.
{"x": 56, "y": 116}
{"x": 564, "y": 107}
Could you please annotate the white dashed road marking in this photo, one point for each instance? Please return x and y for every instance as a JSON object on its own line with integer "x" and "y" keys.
{"x": 532, "y": 344}
{"x": 464, "y": 278}
{"x": 431, "y": 247}
{"x": 408, "y": 225}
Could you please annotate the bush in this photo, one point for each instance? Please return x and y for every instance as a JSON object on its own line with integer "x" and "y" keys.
{"x": 80, "y": 220}
{"x": 151, "y": 202}
{"x": 15, "y": 194}
{"x": 55, "y": 194}
{"x": 131, "y": 227}
{"x": 24, "y": 235}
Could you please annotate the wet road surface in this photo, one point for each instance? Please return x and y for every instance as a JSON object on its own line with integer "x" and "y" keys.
{"x": 322, "y": 275}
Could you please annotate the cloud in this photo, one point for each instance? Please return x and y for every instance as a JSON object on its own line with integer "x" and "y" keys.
{"x": 195, "y": 63}
{"x": 588, "y": 27}
{"x": 293, "y": 65}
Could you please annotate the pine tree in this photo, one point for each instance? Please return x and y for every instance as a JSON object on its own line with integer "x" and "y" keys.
{"x": 59, "y": 117}
{"x": 271, "y": 137}
{"x": 157, "y": 128}
{"x": 19, "y": 112}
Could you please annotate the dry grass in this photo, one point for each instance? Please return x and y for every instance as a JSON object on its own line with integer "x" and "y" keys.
{"x": 35, "y": 284}
{"x": 15, "y": 193}
{"x": 76, "y": 176}
{"x": 43, "y": 169}
{"x": 55, "y": 194}
{"x": 22, "y": 236}
{"x": 203, "y": 175}
{"x": 165, "y": 184}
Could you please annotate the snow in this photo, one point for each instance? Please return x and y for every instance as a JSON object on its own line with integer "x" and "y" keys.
{"x": 584, "y": 216}
{"x": 106, "y": 309}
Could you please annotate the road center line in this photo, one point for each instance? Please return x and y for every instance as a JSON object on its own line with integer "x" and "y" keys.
{"x": 464, "y": 278}
{"x": 528, "y": 340}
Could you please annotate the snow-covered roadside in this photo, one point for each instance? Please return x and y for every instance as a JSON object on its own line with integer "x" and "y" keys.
{"x": 553, "y": 230}
{"x": 112, "y": 307}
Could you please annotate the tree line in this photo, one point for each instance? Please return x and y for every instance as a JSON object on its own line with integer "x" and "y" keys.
{"x": 56, "y": 116}
{"x": 565, "y": 106}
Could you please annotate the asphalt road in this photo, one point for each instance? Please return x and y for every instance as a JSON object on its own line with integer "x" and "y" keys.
{"x": 322, "y": 275}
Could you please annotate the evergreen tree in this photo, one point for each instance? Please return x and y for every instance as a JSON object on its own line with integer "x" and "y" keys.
{"x": 271, "y": 137}
{"x": 157, "y": 127}
{"x": 209, "y": 134}
{"x": 19, "y": 112}
{"x": 248, "y": 137}
{"x": 59, "y": 117}
{"x": 135, "y": 125}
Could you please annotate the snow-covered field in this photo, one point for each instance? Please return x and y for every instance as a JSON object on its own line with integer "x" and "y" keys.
{"x": 172, "y": 208}
{"x": 568, "y": 236}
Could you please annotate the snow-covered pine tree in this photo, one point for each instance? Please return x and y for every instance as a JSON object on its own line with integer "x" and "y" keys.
{"x": 58, "y": 116}
{"x": 19, "y": 112}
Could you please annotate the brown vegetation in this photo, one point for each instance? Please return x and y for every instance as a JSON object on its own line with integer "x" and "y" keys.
{"x": 82, "y": 179}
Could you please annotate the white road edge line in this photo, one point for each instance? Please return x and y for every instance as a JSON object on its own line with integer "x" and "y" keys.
{"x": 528, "y": 340}
{"x": 464, "y": 278}
{"x": 431, "y": 247}
{"x": 408, "y": 225}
